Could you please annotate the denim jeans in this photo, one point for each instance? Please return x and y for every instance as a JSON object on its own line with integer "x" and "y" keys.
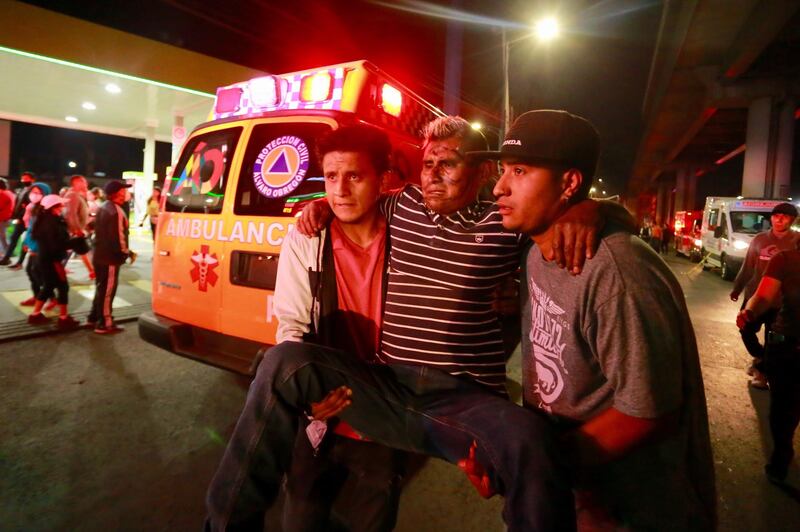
{"x": 412, "y": 408}
{"x": 364, "y": 475}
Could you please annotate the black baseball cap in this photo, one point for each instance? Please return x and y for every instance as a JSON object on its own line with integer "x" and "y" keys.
{"x": 550, "y": 137}
{"x": 785, "y": 208}
{"x": 112, "y": 187}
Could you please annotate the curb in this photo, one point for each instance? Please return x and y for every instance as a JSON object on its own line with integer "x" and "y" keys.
{"x": 22, "y": 330}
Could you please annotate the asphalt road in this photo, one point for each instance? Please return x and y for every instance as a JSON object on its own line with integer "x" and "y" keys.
{"x": 110, "y": 433}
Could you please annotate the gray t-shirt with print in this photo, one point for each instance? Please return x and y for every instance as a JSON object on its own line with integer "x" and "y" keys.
{"x": 619, "y": 335}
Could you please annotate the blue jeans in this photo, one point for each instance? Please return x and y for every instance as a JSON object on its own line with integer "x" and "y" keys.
{"x": 412, "y": 408}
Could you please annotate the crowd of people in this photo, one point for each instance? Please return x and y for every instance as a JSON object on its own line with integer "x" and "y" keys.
{"x": 658, "y": 235}
{"x": 52, "y": 228}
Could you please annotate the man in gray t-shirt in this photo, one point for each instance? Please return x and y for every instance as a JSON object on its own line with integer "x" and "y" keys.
{"x": 610, "y": 354}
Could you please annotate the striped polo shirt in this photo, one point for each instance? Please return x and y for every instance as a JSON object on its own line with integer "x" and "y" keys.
{"x": 443, "y": 272}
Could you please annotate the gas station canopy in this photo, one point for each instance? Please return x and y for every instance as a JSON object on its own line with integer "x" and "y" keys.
{"x": 65, "y": 72}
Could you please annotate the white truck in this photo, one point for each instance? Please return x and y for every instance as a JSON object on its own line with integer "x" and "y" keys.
{"x": 729, "y": 224}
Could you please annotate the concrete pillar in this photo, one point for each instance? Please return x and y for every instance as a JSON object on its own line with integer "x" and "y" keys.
{"x": 5, "y": 147}
{"x": 784, "y": 149}
{"x": 690, "y": 199}
{"x": 681, "y": 185}
{"x": 671, "y": 201}
{"x": 178, "y": 137}
{"x": 143, "y": 185}
{"x": 661, "y": 201}
{"x": 757, "y": 156}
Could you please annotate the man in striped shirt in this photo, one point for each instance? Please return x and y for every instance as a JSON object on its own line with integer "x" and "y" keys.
{"x": 449, "y": 254}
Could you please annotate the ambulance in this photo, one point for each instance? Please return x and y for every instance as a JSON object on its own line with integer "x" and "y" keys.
{"x": 240, "y": 182}
{"x": 729, "y": 225}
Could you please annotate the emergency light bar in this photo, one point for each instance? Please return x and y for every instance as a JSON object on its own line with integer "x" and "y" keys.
{"x": 756, "y": 204}
{"x": 391, "y": 100}
{"x": 316, "y": 87}
{"x": 266, "y": 91}
{"x": 355, "y": 87}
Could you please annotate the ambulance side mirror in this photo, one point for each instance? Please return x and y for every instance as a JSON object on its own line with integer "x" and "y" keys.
{"x": 718, "y": 231}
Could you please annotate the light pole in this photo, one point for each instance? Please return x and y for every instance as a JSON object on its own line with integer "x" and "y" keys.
{"x": 477, "y": 126}
{"x": 546, "y": 29}
{"x": 506, "y": 100}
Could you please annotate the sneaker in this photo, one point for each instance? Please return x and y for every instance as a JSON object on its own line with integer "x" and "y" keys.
{"x": 759, "y": 381}
{"x": 108, "y": 330}
{"x": 15, "y": 267}
{"x": 5, "y": 262}
{"x": 50, "y": 305}
{"x": 31, "y": 301}
{"x": 68, "y": 322}
{"x": 38, "y": 319}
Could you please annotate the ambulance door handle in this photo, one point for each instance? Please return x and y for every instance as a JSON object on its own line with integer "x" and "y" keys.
{"x": 163, "y": 252}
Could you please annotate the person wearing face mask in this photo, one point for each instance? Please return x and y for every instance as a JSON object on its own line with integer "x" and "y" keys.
{"x": 49, "y": 231}
{"x": 37, "y": 192}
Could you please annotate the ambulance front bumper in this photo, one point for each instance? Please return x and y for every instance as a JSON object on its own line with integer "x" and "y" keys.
{"x": 210, "y": 347}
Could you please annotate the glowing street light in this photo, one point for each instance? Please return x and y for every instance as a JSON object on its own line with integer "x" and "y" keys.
{"x": 72, "y": 164}
{"x": 477, "y": 126}
{"x": 547, "y": 29}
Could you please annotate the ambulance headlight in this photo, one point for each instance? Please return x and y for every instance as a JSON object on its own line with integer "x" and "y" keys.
{"x": 740, "y": 244}
{"x": 698, "y": 242}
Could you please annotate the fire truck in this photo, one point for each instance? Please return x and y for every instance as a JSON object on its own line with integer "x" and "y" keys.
{"x": 239, "y": 183}
{"x": 687, "y": 234}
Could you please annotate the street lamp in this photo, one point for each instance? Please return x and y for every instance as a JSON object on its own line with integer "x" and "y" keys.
{"x": 477, "y": 126}
{"x": 546, "y": 30}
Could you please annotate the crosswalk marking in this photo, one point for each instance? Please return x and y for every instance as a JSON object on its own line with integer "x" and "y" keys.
{"x": 88, "y": 293}
{"x": 142, "y": 284}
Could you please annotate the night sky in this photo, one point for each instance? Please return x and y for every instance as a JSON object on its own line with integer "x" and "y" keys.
{"x": 598, "y": 68}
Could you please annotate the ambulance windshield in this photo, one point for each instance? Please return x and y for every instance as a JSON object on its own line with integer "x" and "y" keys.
{"x": 750, "y": 223}
{"x": 280, "y": 173}
{"x": 198, "y": 183}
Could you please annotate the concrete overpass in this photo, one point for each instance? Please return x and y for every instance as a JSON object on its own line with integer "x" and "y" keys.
{"x": 65, "y": 72}
{"x": 725, "y": 79}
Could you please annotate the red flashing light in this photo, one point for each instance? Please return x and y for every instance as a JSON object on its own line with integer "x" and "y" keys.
{"x": 228, "y": 100}
{"x": 391, "y": 100}
{"x": 316, "y": 87}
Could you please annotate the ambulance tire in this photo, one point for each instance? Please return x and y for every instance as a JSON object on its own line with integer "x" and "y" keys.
{"x": 725, "y": 271}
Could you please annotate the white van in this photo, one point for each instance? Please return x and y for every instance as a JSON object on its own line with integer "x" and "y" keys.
{"x": 729, "y": 224}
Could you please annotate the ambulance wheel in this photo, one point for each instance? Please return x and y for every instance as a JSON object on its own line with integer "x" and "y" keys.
{"x": 725, "y": 271}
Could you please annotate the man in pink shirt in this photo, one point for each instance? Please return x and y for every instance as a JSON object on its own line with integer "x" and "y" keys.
{"x": 329, "y": 291}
